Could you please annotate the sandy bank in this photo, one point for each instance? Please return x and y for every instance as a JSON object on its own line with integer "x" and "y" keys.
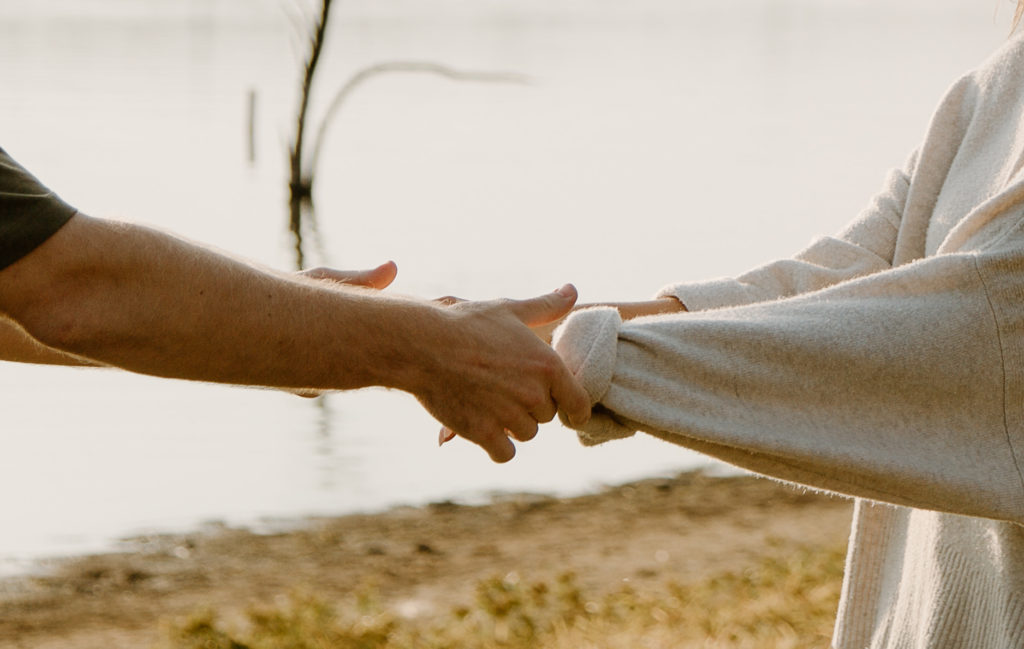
{"x": 423, "y": 559}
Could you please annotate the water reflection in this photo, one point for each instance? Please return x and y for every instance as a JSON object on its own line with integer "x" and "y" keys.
{"x": 330, "y": 464}
{"x": 659, "y": 140}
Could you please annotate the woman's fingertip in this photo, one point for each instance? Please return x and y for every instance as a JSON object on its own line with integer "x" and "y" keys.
{"x": 446, "y": 435}
{"x": 567, "y": 291}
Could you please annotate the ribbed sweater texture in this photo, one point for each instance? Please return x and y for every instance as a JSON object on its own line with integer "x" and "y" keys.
{"x": 885, "y": 363}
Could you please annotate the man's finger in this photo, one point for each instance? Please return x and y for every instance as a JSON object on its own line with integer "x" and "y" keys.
{"x": 571, "y": 397}
{"x": 544, "y": 308}
{"x": 498, "y": 446}
{"x": 545, "y": 412}
{"x": 523, "y": 429}
{"x": 496, "y": 443}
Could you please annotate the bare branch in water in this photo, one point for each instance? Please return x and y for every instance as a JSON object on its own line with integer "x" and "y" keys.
{"x": 301, "y": 177}
{"x": 313, "y": 225}
{"x": 364, "y": 75}
{"x": 300, "y": 184}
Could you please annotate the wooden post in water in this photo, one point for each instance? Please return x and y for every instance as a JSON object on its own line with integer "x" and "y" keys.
{"x": 251, "y": 124}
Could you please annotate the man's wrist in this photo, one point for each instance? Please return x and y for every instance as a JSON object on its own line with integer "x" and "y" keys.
{"x": 407, "y": 344}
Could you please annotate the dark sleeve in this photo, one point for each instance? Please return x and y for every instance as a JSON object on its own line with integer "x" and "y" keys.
{"x": 29, "y": 212}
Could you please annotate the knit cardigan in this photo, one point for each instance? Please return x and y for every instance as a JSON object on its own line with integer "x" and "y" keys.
{"x": 885, "y": 363}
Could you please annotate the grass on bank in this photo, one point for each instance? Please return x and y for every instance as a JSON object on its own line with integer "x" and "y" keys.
{"x": 787, "y": 602}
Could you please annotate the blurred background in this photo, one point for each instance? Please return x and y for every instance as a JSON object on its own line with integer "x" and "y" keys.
{"x": 654, "y": 141}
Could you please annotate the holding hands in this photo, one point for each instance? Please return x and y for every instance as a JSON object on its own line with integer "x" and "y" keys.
{"x": 488, "y": 373}
{"x": 483, "y": 373}
{"x": 501, "y": 380}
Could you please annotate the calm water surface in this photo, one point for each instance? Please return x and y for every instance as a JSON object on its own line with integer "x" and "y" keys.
{"x": 656, "y": 140}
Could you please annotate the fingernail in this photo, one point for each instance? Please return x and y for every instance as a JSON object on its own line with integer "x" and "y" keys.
{"x": 566, "y": 291}
{"x": 446, "y": 435}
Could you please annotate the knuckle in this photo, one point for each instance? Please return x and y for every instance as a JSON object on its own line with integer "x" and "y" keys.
{"x": 534, "y": 399}
{"x": 501, "y": 303}
{"x": 550, "y": 367}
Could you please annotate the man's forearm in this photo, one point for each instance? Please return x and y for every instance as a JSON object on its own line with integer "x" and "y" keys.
{"x": 148, "y": 302}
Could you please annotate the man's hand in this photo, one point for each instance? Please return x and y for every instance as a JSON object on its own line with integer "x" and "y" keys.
{"x": 496, "y": 379}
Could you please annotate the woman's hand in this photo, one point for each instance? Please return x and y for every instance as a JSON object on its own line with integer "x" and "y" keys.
{"x": 627, "y": 311}
{"x": 376, "y": 278}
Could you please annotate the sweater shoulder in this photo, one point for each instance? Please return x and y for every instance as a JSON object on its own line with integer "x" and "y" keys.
{"x": 1002, "y": 69}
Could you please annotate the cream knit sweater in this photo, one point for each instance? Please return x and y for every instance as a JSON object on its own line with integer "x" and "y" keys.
{"x": 886, "y": 363}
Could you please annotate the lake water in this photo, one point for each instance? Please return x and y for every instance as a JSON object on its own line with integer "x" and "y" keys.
{"x": 656, "y": 140}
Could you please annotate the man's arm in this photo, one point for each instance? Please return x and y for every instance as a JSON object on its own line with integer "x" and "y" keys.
{"x": 16, "y": 345}
{"x": 142, "y": 300}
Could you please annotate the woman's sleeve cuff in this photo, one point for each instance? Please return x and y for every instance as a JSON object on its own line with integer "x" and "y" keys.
{"x": 588, "y": 343}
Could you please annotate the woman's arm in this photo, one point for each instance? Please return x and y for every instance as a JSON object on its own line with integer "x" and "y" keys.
{"x": 866, "y": 245}
{"x": 902, "y": 387}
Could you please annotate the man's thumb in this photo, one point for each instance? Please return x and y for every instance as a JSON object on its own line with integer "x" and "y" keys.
{"x": 543, "y": 309}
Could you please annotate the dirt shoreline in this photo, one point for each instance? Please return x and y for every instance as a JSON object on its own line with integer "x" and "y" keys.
{"x": 421, "y": 559}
